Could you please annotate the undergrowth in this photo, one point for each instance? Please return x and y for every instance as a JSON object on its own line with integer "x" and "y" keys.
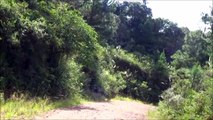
{"x": 124, "y": 98}
{"x": 23, "y": 108}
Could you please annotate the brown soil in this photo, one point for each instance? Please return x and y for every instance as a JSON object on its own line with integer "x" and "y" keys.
{"x": 101, "y": 110}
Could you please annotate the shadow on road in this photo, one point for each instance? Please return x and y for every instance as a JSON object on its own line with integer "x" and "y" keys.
{"x": 79, "y": 108}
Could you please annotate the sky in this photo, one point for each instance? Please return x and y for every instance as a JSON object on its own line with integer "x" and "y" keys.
{"x": 186, "y": 13}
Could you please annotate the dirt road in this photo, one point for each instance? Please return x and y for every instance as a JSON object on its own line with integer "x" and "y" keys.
{"x": 101, "y": 110}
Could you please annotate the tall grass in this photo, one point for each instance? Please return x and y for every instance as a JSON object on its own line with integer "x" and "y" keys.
{"x": 155, "y": 115}
{"x": 22, "y": 108}
{"x": 125, "y": 98}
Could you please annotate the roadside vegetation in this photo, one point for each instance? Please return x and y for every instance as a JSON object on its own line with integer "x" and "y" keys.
{"x": 55, "y": 53}
{"x": 23, "y": 107}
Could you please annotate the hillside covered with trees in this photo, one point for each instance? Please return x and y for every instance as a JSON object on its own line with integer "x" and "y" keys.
{"x": 58, "y": 49}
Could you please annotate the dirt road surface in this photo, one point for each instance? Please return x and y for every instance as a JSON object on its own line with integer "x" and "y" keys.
{"x": 116, "y": 110}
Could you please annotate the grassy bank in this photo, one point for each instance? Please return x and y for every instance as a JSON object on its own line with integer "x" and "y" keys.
{"x": 21, "y": 108}
{"x": 155, "y": 115}
{"x": 122, "y": 98}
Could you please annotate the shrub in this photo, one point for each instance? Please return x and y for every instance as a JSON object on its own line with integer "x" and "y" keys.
{"x": 190, "y": 96}
{"x": 36, "y": 44}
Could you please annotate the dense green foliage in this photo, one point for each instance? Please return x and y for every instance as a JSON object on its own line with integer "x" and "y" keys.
{"x": 191, "y": 72}
{"x": 66, "y": 48}
{"x": 38, "y": 45}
